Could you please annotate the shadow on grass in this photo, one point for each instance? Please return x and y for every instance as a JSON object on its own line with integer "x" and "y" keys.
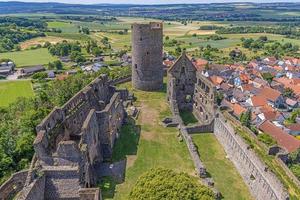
{"x": 108, "y": 187}
{"x": 188, "y": 117}
{"x": 164, "y": 88}
{"x": 126, "y": 144}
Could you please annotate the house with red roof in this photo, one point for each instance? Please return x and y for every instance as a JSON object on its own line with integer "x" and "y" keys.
{"x": 273, "y": 97}
{"x": 283, "y": 139}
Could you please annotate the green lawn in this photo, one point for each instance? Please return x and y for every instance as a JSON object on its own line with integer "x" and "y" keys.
{"x": 147, "y": 144}
{"x": 227, "y": 180}
{"x": 29, "y": 57}
{"x": 11, "y": 90}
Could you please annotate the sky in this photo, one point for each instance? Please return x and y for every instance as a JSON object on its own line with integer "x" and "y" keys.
{"x": 150, "y": 1}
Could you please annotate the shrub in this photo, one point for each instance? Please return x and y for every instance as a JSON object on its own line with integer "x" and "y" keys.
{"x": 160, "y": 183}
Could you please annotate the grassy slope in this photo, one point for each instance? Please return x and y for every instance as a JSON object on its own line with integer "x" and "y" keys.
{"x": 11, "y": 90}
{"x": 29, "y": 57}
{"x": 229, "y": 183}
{"x": 157, "y": 146}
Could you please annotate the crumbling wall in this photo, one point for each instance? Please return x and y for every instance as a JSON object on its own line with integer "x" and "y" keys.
{"x": 13, "y": 185}
{"x": 262, "y": 183}
{"x": 90, "y": 194}
{"x": 181, "y": 82}
{"x": 34, "y": 191}
{"x": 204, "y": 98}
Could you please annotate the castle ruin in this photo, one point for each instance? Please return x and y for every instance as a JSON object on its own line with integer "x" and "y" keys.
{"x": 262, "y": 184}
{"x": 72, "y": 144}
{"x": 147, "y": 52}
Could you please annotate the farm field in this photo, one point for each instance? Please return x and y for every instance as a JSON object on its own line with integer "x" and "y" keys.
{"x": 230, "y": 184}
{"x": 11, "y": 90}
{"x": 148, "y": 144}
{"x": 40, "y": 40}
{"x": 65, "y": 27}
{"x": 29, "y": 57}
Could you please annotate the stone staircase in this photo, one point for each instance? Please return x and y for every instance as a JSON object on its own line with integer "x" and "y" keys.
{"x": 62, "y": 183}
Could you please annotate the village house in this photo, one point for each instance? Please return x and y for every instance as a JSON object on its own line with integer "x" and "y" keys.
{"x": 274, "y": 97}
{"x": 6, "y": 68}
{"x": 284, "y": 140}
{"x": 28, "y": 71}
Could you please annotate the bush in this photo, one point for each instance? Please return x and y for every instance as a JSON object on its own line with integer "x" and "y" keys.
{"x": 39, "y": 76}
{"x": 266, "y": 139}
{"x": 160, "y": 183}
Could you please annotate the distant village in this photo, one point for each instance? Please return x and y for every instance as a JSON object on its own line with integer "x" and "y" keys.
{"x": 9, "y": 71}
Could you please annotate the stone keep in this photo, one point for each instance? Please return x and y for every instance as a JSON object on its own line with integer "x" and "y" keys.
{"x": 147, "y": 47}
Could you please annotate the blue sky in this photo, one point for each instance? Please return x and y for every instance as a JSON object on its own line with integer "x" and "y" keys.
{"x": 150, "y": 1}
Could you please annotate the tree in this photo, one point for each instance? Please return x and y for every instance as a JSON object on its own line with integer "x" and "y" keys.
{"x": 160, "y": 183}
{"x": 245, "y": 118}
{"x": 96, "y": 51}
{"x": 56, "y": 65}
{"x": 288, "y": 92}
{"x": 268, "y": 77}
{"x": 218, "y": 97}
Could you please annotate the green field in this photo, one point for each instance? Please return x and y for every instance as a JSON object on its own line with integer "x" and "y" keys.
{"x": 229, "y": 183}
{"x": 11, "y": 90}
{"x": 65, "y": 27}
{"x": 29, "y": 57}
{"x": 148, "y": 144}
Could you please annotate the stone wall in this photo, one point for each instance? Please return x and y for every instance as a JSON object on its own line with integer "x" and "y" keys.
{"x": 90, "y": 194}
{"x": 72, "y": 141}
{"x": 34, "y": 191}
{"x": 147, "y": 52}
{"x": 204, "y": 98}
{"x": 196, "y": 129}
{"x": 181, "y": 83}
{"x": 13, "y": 185}
{"x": 262, "y": 183}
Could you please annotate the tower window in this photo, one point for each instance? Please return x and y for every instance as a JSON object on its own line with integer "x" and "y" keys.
{"x": 141, "y": 39}
{"x": 148, "y": 53}
{"x": 135, "y": 65}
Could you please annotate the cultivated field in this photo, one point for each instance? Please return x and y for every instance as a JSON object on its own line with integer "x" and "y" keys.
{"x": 11, "y": 90}
{"x": 40, "y": 41}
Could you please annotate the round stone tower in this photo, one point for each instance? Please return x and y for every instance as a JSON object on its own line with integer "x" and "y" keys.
{"x": 147, "y": 47}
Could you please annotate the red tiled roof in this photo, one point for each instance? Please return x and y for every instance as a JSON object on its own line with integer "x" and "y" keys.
{"x": 200, "y": 64}
{"x": 247, "y": 87}
{"x": 168, "y": 63}
{"x": 238, "y": 109}
{"x": 244, "y": 78}
{"x": 216, "y": 80}
{"x": 258, "y": 101}
{"x": 294, "y": 127}
{"x": 283, "y": 139}
{"x": 269, "y": 93}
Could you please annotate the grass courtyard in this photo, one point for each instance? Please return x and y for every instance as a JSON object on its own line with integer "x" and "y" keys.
{"x": 148, "y": 144}
{"x": 11, "y": 90}
{"x": 229, "y": 183}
